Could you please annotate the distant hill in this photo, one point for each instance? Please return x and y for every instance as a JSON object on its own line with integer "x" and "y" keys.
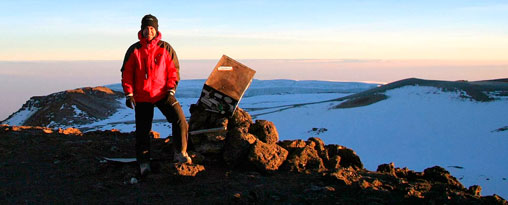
{"x": 482, "y": 91}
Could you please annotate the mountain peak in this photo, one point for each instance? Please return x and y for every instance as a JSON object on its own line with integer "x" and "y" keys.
{"x": 67, "y": 108}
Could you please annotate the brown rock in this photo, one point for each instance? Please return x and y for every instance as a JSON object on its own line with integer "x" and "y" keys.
{"x": 319, "y": 146}
{"x": 182, "y": 169}
{"x": 407, "y": 173}
{"x": 237, "y": 146}
{"x": 267, "y": 157}
{"x": 70, "y": 131}
{"x": 475, "y": 190}
{"x": 334, "y": 162}
{"x": 240, "y": 119}
{"x": 387, "y": 168}
{"x": 265, "y": 131}
{"x": 304, "y": 160}
{"x": 346, "y": 176}
{"x": 210, "y": 148}
{"x": 154, "y": 135}
{"x": 494, "y": 199}
{"x": 440, "y": 174}
{"x": 348, "y": 157}
{"x": 291, "y": 145}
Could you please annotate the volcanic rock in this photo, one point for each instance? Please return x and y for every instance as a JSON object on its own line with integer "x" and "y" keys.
{"x": 267, "y": 157}
{"x": 440, "y": 174}
{"x": 237, "y": 146}
{"x": 348, "y": 157}
{"x": 265, "y": 131}
{"x": 475, "y": 190}
{"x": 182, "y": 169}
{"x": 50, "y": 167}
{"x": 387, "y": 168}
{"x": 305, "y": 159}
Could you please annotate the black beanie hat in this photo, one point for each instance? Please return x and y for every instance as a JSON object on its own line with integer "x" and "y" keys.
{"x": 149, "y": 20}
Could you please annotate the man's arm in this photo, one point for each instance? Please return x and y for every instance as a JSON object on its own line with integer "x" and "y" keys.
{"x": 128, "y": 71}
{"x": 173, "y": 67}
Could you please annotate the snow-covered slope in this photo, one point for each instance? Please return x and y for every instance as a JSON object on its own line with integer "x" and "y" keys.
{"x": 460, "y": 126}
{"x": 415, "y": 127}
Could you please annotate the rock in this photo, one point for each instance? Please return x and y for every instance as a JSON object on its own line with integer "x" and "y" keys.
{"x": 440, "y": 174}
{"x": 265, "y": 131}
{"x": 291, "y": 145}
{"x": 348, "y": 157}
{"x": 304, "y": 160}
{"x": 267, "y": 157}
{"x": 319, "y": 146}
{"x": 407, "y": 174}
{"x": 182, "y": 169}
{"x": 202, "y": 119}
{"x": 387, "y": 168}
{"x": 374, "y": 184}
{"x": 215, "y": 137}
{"x": 345, "y": 176}
{"x": 210, "y": 148}
{"x": 475, "y": 190}
{"x": 70, "y": 131}
{"x": 154, "y": 135}
{"x": 240, "y": 120}
{"x": 334, "y": 162}
{"x": 494, "y": 199}
{"x": 237, "y": 146}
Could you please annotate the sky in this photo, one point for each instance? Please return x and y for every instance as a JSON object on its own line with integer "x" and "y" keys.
{"x": 58, "y": 45}
{"x": 271, "y": 29}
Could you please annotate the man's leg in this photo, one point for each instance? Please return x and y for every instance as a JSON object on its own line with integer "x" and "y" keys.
{"x": 174, "y": 114}
{"x": 144, "y": 117}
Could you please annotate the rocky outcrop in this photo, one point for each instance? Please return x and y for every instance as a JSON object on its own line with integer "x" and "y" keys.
{"x": 266, "y": 156}
{"x": 265, "y": 131}
{"x": 67, "y": 108}
{"x": 70, "y": 168}
{"x": 242, "y": 141}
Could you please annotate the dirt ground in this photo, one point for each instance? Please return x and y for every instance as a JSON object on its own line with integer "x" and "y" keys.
{"x": 39, "y": 167}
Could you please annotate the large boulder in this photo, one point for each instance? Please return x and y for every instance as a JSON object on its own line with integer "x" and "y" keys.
{"x": 210, "y": 142}
{"x": 240, "y": 120}
{"x": 237, "y": 146}
{"x": 348, "y": 157}
{"x": 387, "y": 168}
{"x": 345, "y": 176}
{"x": 440, "y": 174}
{"x": 292, "y": 145}
{"x": 319, "y": 146}
{"x": 305, "y": 159}
{"x": 267, "y": 157}
{"x": 265, "y": 131}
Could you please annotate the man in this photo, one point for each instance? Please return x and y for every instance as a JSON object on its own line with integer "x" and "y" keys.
{"x": 150, "y": 75}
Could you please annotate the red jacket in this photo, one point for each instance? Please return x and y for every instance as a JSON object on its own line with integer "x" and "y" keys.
{"x": 150, "y": 69}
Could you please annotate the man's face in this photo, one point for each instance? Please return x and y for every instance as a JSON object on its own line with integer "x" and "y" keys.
{"x": 149, "y": 32}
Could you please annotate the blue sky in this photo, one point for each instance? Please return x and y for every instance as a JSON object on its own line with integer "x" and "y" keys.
{"x": 103, "y": 30}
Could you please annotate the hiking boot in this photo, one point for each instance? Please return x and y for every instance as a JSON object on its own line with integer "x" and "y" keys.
{"x": 182, "y": 158}
{"x": 144, "y": 168}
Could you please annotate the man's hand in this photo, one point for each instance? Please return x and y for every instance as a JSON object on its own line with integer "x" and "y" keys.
{"x": 130, "y": 102}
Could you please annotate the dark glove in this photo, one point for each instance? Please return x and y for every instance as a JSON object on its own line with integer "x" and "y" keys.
{"x": 130, "y": 102}
{"x": 171, "y": 98}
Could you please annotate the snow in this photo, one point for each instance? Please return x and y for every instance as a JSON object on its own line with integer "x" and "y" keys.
{"x": 415, "y": 127}
{"x": 21, "y": 116}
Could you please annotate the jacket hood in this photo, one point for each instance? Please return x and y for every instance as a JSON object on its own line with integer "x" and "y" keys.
{"x": 144, "y": 41}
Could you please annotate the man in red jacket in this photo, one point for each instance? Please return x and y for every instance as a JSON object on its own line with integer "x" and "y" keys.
{"x": 150, "y": 75}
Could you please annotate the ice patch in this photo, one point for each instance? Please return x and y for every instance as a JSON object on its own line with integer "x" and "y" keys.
{"x": 20, "y": 117}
